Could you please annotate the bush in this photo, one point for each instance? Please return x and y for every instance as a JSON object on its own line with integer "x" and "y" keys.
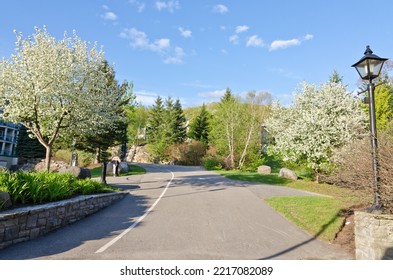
{"x": 212, "y": 163}
{"x": 353, "y": 168}
{"x": 187, "y": 153}
{"x": 41, "y": 187}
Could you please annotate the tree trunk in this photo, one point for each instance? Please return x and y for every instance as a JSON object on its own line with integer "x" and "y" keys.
{"x": 48, "y": 156}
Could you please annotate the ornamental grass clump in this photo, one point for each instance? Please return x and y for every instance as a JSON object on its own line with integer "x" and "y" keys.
{"x": 41, "y": 187}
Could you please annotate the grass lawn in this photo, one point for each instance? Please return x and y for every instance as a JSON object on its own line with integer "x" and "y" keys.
{"x": 134, "y": 170}
{"x": 321, "y": 217}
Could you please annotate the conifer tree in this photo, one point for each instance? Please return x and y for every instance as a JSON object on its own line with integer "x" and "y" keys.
{"x": 28, "y": 147}
{"x": 200, "y": 127}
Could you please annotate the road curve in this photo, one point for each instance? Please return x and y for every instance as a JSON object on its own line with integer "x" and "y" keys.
{"x": 175, "y": 212}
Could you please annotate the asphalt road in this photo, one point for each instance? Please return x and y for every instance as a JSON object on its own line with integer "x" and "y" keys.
{"x": 175, "y": 212}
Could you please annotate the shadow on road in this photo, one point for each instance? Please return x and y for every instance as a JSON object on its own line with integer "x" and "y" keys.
{"x": 102, "y": 224}
{"x": 323, "y": 228}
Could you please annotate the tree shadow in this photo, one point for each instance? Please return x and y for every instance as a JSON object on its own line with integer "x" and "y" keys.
{"x": 102, "y": 224}
{"x": 340, "y": 213}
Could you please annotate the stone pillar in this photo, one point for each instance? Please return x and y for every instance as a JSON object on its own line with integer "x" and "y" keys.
{"x": 373, "y": 236}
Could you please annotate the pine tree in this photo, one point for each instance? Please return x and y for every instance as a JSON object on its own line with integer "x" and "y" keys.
{"x": 200, "y": 127}
{"x": 179, "y": 123}
{"x": 155, "y": 121}
{"x": 28, "y": 147}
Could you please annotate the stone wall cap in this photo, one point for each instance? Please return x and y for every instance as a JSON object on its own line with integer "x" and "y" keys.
{"x": 28, "y": 209}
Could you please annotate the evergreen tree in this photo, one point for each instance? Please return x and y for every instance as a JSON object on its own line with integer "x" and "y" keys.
{"x": 335, "y": 77}
{"x": 99, "y": 141}
{"x": 179, "y": 123}
{"x": 28, "y": 147}
{"x": 200, "y": 127}
{"x": 155, "y": 121}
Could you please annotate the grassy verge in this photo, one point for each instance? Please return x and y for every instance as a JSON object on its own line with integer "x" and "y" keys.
{"x": 319, "y": 216}
{"x": 134, "y": 170}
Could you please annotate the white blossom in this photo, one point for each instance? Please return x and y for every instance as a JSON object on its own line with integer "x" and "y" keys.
{"x": 51, "y": 86}
{"x": 320, "y": 121}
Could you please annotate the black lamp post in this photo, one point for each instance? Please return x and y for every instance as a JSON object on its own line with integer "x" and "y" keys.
{"x": 369, "y": 67}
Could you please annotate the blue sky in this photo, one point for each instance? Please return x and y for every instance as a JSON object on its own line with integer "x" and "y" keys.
{"x": 194, "y": 49}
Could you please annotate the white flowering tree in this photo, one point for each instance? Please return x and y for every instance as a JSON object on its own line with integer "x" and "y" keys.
{"x": 319, "y": 121}
{"x": 54, "y": 87}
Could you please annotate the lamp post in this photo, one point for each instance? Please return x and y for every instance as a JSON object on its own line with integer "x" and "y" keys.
{"x": 369, "y": 67}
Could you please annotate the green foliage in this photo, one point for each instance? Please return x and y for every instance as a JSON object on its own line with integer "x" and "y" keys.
{"x": 110, "y": 134}
{"x": 28, "y": 147}
{"x": 137, "y": 118}
{"x": 212, "y": 163}
{"x": 165, "y": 126}
{"x": 384, "y": 106}
{"x": 200, "y": 126}
{"x": 236, "y": 127}
{"x": 320, "y": 121}
{"x": 41, "y": 187}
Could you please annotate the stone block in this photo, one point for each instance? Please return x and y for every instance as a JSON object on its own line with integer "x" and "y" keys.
{"x": 373, "y": 236}
{"x": 11, "y": 233}
{"x": 32, "y": 221}
{"x": 287, "y": 173}
{"x": 264, "y": 169}
{"x": 79, "y": 172}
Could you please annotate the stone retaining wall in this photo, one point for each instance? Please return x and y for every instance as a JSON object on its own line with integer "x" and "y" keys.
{"x": 31, "y": 222}
{"x": 373, "y": 236}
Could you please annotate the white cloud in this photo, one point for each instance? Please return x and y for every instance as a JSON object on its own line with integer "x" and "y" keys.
{"x": 234, "y": 39}
{"x": 176, "y": 57}
{"x": 109, "y": 16}
{"x": 147, "y": 98}
{"x": 138, "y": 4}
{"x": 283, "y": 44}
{"x": 170, "y": 5}
{"x": 216, "y": 94}
{"x": 139, "y": 39}
{"x": 242, "y": 28}
{"x": 221, "y": 9}
{"x": 185, "y": 33}
{"x": 160, "y": 45}
{"x": 254, "y": 41}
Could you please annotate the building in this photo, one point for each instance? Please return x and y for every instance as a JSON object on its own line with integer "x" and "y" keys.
{"x": 8, "y": 138}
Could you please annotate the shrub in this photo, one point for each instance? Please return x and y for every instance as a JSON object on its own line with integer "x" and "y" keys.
{"x": 212, "y": 163}
{"x": 187, "y": 153}
{"x": 353, "y": 168}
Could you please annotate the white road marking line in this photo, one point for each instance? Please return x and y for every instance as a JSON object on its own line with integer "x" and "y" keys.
{"x": 117, "y": 238}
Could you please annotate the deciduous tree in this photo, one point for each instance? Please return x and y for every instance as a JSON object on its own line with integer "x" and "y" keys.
{"x": 54, "y": 87}
{"x": 318, "y": 122}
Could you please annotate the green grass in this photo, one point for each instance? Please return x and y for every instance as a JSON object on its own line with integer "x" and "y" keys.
{"x": 134, "y": 170}
{"x": 320, "y": 216}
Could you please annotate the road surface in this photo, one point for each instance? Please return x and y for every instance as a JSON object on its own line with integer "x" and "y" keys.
{"x": 181, "y": 213}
